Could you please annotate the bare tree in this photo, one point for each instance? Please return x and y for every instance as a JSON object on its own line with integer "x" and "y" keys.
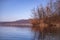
{"x": 39, "y": 17}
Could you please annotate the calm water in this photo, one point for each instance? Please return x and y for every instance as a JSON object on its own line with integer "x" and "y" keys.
{"x": 15, "y": 33}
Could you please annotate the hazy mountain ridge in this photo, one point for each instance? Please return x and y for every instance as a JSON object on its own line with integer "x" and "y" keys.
{"x": 16, "y": 23}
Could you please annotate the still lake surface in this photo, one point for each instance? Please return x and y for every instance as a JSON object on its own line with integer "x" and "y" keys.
{"x": 15, "y": 33}
{"x": 18, "y": 33}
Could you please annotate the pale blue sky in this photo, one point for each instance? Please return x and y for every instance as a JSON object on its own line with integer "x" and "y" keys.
{"x": 11, "y": 10}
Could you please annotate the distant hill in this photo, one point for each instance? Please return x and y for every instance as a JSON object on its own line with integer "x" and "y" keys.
{"x": 24, "y": 23}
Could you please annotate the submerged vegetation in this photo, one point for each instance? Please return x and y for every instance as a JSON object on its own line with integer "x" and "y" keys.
{"x": 46, "y": 21}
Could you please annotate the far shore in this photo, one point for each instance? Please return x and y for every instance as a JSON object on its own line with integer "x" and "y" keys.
{"x": 15, "y": 26}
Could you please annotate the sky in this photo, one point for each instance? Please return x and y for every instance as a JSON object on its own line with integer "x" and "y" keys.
{"x": 12, "y": 10}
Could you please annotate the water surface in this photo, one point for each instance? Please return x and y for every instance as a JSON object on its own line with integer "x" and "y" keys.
{"x": 15, "y": 33}
{"x": 18, "y": 33}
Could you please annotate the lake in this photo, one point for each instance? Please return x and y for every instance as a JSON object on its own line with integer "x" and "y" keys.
{"x": 15, "y": 33}
{"x": 18, "y": 33}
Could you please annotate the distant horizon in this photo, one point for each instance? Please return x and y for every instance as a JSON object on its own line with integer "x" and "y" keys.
{"x": 14, "y": 20}
{"x": 12, "y": 10}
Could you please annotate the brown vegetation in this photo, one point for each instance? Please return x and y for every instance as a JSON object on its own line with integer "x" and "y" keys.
{"x": 46, "y": 21}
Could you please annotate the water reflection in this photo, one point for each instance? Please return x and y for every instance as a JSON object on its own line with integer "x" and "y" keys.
{"x": 15, "y": 33}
